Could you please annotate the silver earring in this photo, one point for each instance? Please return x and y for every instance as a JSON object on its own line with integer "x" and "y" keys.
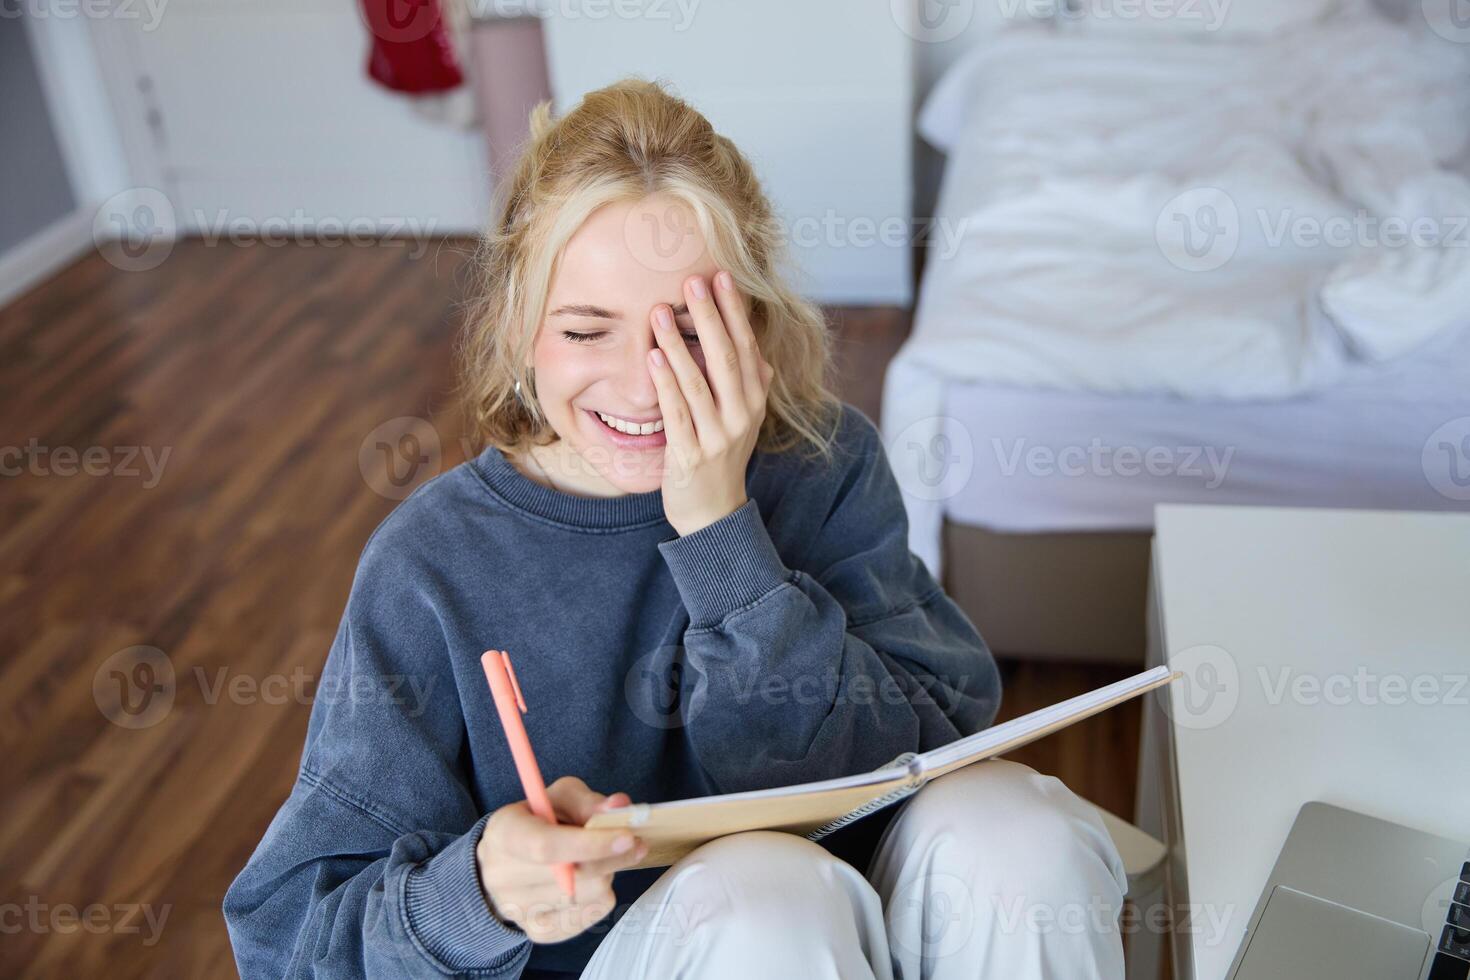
{"x": 518, "y": 389}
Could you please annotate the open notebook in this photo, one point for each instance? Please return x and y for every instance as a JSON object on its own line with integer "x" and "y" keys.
{"x": 815, "y": 810}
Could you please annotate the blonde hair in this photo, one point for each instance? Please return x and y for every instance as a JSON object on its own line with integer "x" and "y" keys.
{"x": 623, "y": 143}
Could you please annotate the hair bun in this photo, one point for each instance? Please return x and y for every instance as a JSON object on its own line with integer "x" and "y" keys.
{"x": 542, "y": 120}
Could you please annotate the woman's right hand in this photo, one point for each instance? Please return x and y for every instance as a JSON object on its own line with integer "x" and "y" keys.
{"x": 518, "y": 852}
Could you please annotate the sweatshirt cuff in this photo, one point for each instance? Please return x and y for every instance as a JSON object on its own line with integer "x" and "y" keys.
{"x": 449, "y": 915}
{"x": 725, "y": 565}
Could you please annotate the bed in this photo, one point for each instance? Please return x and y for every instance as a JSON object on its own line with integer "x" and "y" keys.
{"x": 1179, "y": 269}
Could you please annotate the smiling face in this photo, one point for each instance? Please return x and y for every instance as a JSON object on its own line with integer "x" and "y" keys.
{"x": 591, "y": 352}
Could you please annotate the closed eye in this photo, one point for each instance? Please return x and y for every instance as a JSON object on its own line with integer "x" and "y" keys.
{"x": 690, "y": 337}
{"x": 583, "y": 338}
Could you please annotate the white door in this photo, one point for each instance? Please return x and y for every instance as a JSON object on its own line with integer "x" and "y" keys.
{"x": 251, "y": 111}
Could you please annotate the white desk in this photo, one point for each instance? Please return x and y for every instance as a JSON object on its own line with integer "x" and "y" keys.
{"x": 1327, "y": 657}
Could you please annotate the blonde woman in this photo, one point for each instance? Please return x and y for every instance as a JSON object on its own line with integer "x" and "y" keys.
{"x": 697, "y": 559}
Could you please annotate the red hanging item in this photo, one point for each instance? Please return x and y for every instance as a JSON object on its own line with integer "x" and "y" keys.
{"x": 411, "y": 50}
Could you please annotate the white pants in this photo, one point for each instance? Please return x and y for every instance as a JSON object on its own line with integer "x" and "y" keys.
{"x": 990, "y": 871}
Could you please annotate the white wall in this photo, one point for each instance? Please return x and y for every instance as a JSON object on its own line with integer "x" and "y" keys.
{"x": 818, "y": 94}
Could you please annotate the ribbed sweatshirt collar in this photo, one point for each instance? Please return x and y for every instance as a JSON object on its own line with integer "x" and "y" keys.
{"x": 520, "y": 492}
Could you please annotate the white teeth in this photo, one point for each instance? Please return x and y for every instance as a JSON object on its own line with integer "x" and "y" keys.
{"x": 632, "y": 428}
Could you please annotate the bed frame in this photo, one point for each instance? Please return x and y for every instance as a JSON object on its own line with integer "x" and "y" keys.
{"x": 1057, "y": 596}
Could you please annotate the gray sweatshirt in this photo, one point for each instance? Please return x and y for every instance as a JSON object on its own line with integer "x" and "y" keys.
{"x": 795, "y": 639}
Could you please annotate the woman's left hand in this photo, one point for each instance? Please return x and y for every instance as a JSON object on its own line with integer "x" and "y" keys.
{"x": 711, "y": 426}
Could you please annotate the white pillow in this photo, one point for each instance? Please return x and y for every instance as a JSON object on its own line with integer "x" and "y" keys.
{"x": 944, "y": 110}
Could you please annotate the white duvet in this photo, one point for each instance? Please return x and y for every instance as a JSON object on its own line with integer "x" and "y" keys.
{"x": 1212, "y": 218}
{"x": 1217, "y": 218}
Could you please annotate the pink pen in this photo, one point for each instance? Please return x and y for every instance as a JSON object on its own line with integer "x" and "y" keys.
{"x": 511, "y": 705}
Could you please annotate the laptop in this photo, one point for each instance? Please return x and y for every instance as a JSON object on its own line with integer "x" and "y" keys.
{"x": 1352, "y": 897}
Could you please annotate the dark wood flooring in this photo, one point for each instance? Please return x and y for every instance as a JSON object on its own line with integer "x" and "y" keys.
{"x": 259, "y": 372}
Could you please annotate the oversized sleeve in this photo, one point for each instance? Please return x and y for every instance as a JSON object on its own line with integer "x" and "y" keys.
{"x": 835, "y": 666}
{"x": 369, "y": 867}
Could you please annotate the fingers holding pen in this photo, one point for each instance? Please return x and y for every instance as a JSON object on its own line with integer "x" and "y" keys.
{"x": 575, "y": 802}
{"x": 524, "y": 834}
{"x": 518, "y": 854}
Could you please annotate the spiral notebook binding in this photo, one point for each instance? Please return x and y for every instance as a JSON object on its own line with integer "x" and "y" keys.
{"x": 910, "y": 761}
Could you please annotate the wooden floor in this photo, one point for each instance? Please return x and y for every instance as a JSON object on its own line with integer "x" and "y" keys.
{"x": 224, "y": 397}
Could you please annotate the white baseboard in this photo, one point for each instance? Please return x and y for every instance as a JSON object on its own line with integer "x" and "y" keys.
{"x": 43, "y": 253}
